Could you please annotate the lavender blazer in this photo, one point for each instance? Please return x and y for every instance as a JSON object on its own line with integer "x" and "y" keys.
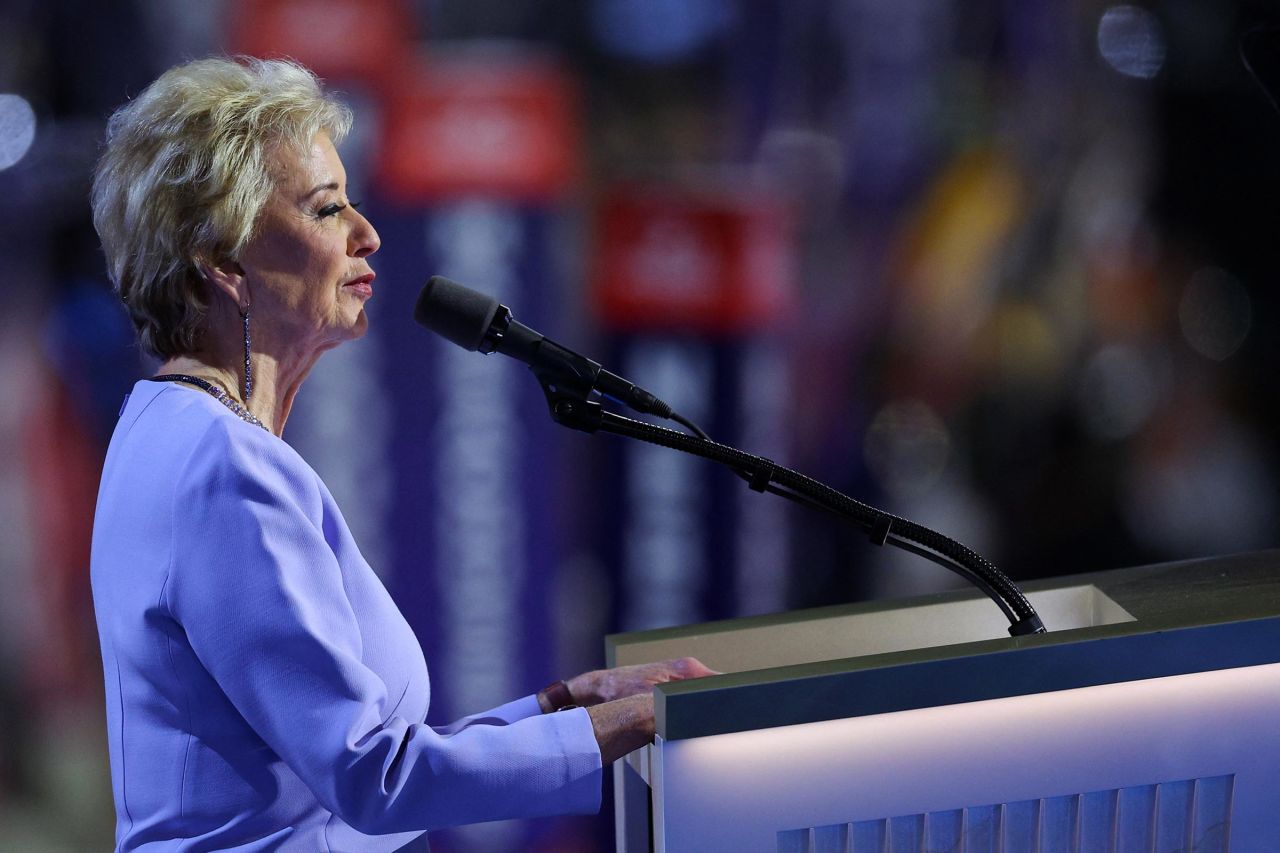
{"x": 263, "y": 691}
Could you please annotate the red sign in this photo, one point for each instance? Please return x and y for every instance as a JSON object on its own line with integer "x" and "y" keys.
{"x": 685, "y": 260}
{"x": 365, "y": 40}
{"x": 478, "y": 124}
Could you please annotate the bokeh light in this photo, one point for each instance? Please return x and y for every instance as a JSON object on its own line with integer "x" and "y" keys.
{"x": 907, "y": 447}
{"x": 658, "y": 30}
{"x": 1132, "y": 42}
{"x": 17, "y": 129}
{"x": 1215, "y": 313}
{"x": 1118, "y": 391}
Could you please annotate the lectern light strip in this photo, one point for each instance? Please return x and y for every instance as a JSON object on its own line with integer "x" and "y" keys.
{"x": 1188, "y": 814}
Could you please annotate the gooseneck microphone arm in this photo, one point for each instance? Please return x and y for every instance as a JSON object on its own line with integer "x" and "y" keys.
{"x": 764, "y": 475}
{"x": 478, "y": 323}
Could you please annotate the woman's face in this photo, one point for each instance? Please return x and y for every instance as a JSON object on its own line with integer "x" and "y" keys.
{"x": 306, "y": 266}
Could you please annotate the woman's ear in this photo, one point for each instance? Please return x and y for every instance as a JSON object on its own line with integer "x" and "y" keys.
{"x": 226, "y": 278}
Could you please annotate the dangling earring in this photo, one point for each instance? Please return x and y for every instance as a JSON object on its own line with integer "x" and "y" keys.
{"x": 248, "y": 368}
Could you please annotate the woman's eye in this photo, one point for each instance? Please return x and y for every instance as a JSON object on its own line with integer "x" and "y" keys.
{"x": 335, "y": 208}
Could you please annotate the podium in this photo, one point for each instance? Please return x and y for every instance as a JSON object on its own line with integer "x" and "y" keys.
{"x": 1147, "y": 719}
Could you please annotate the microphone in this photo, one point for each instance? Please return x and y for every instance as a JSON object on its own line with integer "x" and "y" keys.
{"x": 477, "y": 322}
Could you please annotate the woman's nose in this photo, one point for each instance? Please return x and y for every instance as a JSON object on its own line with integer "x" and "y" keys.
{"x": 364, "y": 237}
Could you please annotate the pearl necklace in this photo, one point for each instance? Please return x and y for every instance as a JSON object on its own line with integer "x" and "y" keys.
{"x": 217, "y": 393}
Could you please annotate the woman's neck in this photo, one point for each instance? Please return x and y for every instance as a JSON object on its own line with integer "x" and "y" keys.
{"x": 275, "y": 381}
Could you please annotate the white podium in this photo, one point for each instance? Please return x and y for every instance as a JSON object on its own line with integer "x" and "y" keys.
{"x": 1148, "y": 719}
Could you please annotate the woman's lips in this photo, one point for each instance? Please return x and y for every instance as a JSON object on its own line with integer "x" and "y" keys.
{"x": 362, "y": 286}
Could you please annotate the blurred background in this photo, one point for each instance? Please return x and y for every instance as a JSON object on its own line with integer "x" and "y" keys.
{"x": 1005, "y": 267}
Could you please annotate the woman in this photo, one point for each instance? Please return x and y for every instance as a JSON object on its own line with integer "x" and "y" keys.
{"x": 263, "y": 691}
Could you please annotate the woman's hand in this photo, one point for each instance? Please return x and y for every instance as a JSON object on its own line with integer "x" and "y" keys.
{"x": 620, "y": 701}
{"x": 622, "y": 725}
{"x": 608, "y": 685}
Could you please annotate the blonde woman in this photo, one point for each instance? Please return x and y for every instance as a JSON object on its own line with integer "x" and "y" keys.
{"x": 263, "y": 691}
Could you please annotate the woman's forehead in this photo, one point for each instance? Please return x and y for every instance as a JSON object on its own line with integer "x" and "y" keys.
{"x": 302, "y": 174}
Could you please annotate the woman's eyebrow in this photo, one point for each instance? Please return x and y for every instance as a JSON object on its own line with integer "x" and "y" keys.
{"x": 332, "y": 185}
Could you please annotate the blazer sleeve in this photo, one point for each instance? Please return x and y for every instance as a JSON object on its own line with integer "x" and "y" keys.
{"x": 258, "y": 591}
{"x": 522, "y": 708}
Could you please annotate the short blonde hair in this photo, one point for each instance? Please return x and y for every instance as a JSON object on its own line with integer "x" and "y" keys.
{"x": 186, "y": 173}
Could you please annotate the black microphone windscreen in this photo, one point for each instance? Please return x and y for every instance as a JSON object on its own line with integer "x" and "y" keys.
{"x": 456, "y": 313}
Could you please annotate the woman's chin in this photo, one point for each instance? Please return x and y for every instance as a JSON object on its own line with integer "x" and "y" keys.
{"x": 358, "y": 326}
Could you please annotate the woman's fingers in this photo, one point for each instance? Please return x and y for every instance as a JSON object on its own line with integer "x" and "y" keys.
{"x": 690, "y": 668}
{"x": 607, "y": 685}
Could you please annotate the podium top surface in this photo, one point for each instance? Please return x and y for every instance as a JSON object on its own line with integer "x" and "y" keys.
{"x": 879, "y": 657}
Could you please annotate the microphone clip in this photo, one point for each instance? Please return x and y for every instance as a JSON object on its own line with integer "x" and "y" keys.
{"x": 569, "y": 405}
